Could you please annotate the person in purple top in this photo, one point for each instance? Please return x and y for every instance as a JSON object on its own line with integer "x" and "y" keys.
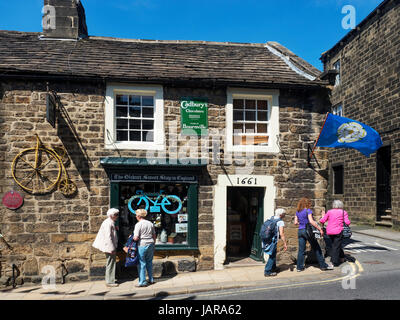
{"x": 303, "y": 216}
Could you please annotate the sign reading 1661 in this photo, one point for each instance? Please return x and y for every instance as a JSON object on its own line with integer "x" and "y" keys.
{"x": 194, "y": 116}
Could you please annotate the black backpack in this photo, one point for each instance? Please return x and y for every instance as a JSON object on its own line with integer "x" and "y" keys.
{"x": 268, "y": 230}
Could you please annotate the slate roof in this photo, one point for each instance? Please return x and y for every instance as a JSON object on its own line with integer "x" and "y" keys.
{"x": 152, "y": 60}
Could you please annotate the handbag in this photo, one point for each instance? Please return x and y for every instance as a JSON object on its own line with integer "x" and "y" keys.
{"x": 132, "y": 256}
{"x": 312, "y": 232}
{"x": 346, "y": 229}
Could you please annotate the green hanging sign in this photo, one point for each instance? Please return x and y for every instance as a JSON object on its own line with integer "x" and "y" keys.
{"x": 194, "y": 116}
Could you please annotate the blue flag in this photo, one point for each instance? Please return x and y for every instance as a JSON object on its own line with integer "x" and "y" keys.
{"x": 340, "y": 132}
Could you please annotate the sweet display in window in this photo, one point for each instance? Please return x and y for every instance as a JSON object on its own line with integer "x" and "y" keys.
{"x": 166, "y": 206}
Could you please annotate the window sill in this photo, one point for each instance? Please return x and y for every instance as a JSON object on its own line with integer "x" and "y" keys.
{"x": 253, "y": 149}
{"x": 134, "y": 146}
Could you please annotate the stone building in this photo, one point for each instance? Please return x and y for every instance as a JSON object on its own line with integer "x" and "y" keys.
{"x": 209, "y": 137}
{"x": 367, "y": 89}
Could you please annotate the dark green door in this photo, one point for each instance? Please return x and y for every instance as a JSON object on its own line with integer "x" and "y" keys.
{"x": 256, "y": 249}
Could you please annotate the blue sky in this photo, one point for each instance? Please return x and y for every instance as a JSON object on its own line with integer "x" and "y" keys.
{"x": 306, "y": 27}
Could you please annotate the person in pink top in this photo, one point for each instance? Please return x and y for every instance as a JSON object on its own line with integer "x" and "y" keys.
{"x": 335, "y": 218}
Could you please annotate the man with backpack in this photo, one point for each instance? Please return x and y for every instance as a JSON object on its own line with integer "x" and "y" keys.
{"x": 270, "y": 233}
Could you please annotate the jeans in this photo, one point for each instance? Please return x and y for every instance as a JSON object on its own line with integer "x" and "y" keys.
{"x": 271, "y": 263}
{"x": 146, "y": 254}
{"x": 303, "y": 238}
{"x": 110, "y": 268}
{"x": 336, "y": 250}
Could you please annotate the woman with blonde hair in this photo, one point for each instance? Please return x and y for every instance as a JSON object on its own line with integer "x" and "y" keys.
{"x": 144, "y": 232}
{"x": 303, "y": 216}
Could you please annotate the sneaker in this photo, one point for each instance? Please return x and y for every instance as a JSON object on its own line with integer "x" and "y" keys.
{"x": 142, "y": 285}
{"x": 112, "y": 284}
{"x": 327, "y": 268}
{"x": 300, "y": 270}
{"x": 152, "y": 282}
{"x": 272, "y": 274}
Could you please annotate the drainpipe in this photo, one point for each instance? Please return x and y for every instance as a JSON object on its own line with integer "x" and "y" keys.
{"x": 63, "y": 275}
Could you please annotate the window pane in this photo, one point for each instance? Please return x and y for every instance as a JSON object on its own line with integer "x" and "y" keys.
{"x": 262, "y": 105}
{"x": 237, "y": 140}
{"x": 250, "y": 127}
{"x": 147, "y": 101}
{"x": 238, "y": 116}
{"x": 251, "y": 104}
{"x": 261, "y": 140}
{"x": 122, "y": 135}
{"x": 250, "y": 116}
{"x": 147, "y": 112}
{"x": 122, "y": 123}
{"x": 134, "y": 100}
{"x": 148, "y": 124}
{"x": 134, "y": 136}
{"x": 237, "y": 128}
{"x": 134, "y": 112}
{"x": 122, "y": 99}
{"x": 262, "y": 116}
{"x": 170, "y": 219}
{"x": 262, "y": 128}
{"x": 238, "y": 104}
{"x": 122, "y": 111}
{"x": 148, "y": 136}
{"x": 134, "y": 124}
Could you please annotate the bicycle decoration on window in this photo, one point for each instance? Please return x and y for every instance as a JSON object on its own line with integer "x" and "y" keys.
{"x": 168, "y": 203}
{"x": 38, "y": 170}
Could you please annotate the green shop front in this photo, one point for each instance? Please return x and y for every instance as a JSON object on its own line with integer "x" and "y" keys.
{"x": 169, "y": 193}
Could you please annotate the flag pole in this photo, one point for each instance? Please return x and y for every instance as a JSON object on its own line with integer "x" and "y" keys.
{"x": 312, "y": 151}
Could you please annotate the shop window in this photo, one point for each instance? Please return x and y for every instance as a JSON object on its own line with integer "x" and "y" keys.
{"x": 134, "y": 117}
{"x": 252, "y": 120}
{"x": 170, "y": 208}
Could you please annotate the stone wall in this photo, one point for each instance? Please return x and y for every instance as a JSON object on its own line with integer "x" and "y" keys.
{"x": 369, "y": 92}
{"x": 53, "y": 229}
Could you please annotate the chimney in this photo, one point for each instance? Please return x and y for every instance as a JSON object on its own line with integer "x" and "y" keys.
{"x": 64, "y": 19}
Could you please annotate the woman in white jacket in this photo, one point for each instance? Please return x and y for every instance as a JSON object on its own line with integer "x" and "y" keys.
{"x": 107, "y": 241}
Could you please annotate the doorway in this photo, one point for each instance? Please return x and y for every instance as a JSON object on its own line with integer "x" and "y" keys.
{"x": 383, "y": 183}
{"x": 245, "y": 214}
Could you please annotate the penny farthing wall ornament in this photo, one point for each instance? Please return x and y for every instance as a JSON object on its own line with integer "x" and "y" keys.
{"x": 40, "y": 169}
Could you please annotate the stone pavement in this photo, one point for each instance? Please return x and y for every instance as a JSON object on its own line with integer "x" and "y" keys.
{"x": 382, "y": 233}
{"x": 186, "y": 283}
{"x": 192, "y": 282}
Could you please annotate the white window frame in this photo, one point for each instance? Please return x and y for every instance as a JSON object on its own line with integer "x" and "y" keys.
{"x": 110, "y": 117}
{"x": 273, "y": 126}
